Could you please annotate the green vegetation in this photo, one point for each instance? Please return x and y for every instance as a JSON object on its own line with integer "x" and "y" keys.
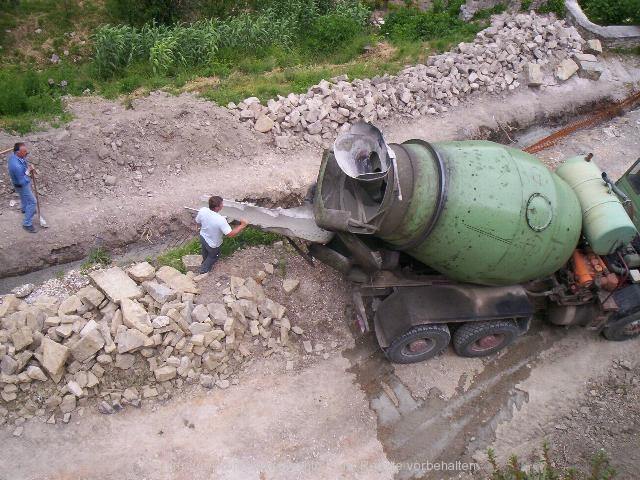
{"x": 543, "y": 468}
{"x": 224, "y": 50}
{"x": 612, "y": 12}
{"x": 97, "y": 256}
{"x": 439, "y": 23}
{"x": 250, "y": 236}
{"x": 553, "y": 6}
{"x": 180, "y": 45}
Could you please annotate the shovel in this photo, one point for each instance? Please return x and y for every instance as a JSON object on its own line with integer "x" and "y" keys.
{"x": 42, "y": 221}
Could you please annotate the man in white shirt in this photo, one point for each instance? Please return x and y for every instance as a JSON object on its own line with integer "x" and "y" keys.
{"x": 213, "y": 228}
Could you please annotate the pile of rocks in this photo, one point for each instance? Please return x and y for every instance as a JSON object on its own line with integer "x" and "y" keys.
{"x": 494, "y": 62}
{"x": 129, "y": 336}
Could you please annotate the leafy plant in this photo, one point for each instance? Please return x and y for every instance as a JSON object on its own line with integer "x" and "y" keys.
{"x": 609, "y": 12}
{"x": 97, "y": 256}
{"x": 440, "y": 22}
{"x": 553, "y": 6}
{"x": 543, "y": 468}
{"x": 330, "y": 32}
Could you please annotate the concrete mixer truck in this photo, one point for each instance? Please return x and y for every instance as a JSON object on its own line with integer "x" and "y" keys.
{"x": 463, "y": 242}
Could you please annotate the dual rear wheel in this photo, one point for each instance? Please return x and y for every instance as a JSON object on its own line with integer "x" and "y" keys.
{"x": 474, "y": 339}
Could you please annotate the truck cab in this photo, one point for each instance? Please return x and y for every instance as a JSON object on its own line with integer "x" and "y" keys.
{"x": 629, "y": 183}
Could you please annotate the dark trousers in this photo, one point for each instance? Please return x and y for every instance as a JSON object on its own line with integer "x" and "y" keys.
{"x": 209, "y": 256}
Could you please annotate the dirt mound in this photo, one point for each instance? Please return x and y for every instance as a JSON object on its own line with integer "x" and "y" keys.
{"x": 115, "y": 149}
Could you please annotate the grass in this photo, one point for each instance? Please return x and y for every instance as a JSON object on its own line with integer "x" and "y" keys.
{"x": 543, "y": 468}
{"x": 249, "y": 237}
{"x": 97, "y": 256}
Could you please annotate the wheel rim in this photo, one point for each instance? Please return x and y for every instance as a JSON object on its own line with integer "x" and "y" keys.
{"x": 632, "y": 328}
{"x": 488, "y": 342}
{"x": 417, "y": 347}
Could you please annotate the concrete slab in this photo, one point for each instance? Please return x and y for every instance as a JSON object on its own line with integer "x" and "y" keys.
{"x": 116, "y": 284}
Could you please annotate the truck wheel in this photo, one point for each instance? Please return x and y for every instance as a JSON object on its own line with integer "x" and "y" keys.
{"x": 478, "y": 339}
{"x": 623, "y": 328}
{"x": 419, "y": 343}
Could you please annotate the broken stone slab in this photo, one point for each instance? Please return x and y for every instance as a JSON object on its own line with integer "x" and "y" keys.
{"x": 48, "y": 305}
{"x": 142, "y": 272}
{"x": 176, "y": 280}
{"x": 22, "y": 338}
{"x": 54, "y": 356}
{"x": 534, "y": 75}
{"x": 87, "y": 346}
{"x": 65, "y": 330}
{"x": 91, "y": 296}
{"x": 130, "y": 394}
{"x": 125, "y": 361}
{"x": 161, "y": 293}
{"x": 197, "y": 328}
{"x": 68, "y": 403}
{"x": 290, "y": 284}
{"x": 269, "y": 308}
{"x": 74, "y": 388}
{"x": 264, "y": 124}
{"x": 130, "y": 340}
{"x": 70, "y": 306}
{"x": 584, "y": 57}
{"x": 200, "y": 313}
{"x": 9, "y": 305}
{"x": 217, "y": 312}
{"x": 135, "y": 316}
{"x": 192, "y": 263}
{"x": 166, "y": 373}
{"x": 590, "y": 70}
{"x": 566, "y": 69}
{"x": 593, "y": 47}
{"x": 161, "y": 321}
{"x": 116, "y": 284}
{"x": 8, "y": 365}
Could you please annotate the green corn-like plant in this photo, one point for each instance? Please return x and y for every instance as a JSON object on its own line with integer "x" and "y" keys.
{"x": 280, "y": 23}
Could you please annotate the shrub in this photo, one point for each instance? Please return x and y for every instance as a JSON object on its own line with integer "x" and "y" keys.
{"x": 139, "y": 12}
{"x": 330, "y": 32}
{"x": 441, "y": 21}
{"x": 553, "y": 6}
{"x": 609, "y": 12}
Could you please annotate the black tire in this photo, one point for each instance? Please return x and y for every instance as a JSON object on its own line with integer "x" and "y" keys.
{"x": 470, "y": 339}
{"x": 419, "y": 343}
{"x": 624, "y": 328}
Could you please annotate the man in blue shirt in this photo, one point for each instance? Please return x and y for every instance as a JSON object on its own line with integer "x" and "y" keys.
{"x": 20, "y": 172}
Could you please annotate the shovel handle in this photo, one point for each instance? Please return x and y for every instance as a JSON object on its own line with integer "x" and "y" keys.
{"x": 6, "y": 150}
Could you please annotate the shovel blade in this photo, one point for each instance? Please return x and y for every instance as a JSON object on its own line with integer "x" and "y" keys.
{"x": 43, "y": 222}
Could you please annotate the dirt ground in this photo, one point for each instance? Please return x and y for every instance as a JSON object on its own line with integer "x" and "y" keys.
{"x": 342, "y": 411}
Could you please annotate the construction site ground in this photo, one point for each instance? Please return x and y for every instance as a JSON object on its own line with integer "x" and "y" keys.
{"x": 344, "y": 411}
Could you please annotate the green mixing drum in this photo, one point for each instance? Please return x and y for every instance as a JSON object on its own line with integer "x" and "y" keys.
{"x": 475, "y": 211}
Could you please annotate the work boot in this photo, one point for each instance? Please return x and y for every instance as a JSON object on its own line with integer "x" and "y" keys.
{"x": 29, "y": 228}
